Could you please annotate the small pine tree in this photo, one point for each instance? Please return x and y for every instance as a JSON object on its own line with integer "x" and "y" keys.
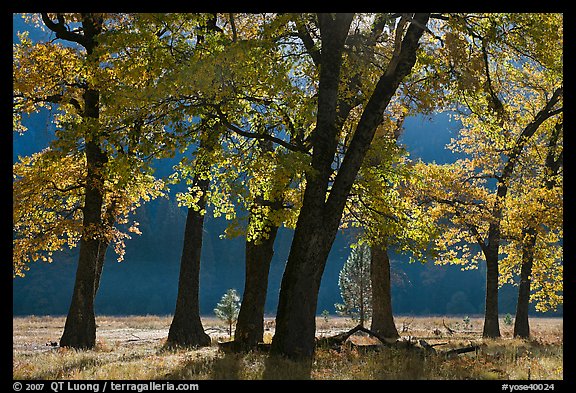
{"x": 355, "y": 286}
{"x": 228, "y": 308}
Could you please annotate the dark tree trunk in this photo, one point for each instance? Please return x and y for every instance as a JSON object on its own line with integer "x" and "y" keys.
{"x": 382, "y": 317}
{"x": 102, "y": 248}
{"x": 296, "y": 314}
{"x": 491, "y": 253}
{"x": 521, "y": 324}
{"x": 186, "y": 329}
{"x": 250, "y": 325}
{"x": 320, "y": 216}
{"x": 259, "y": 251}
{"x": 491, "y": 323}
{"x": 109, "y": 219}
{"x": 80, "y": 328}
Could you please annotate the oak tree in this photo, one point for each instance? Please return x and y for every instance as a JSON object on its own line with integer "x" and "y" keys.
{"x": 506, "y": 96}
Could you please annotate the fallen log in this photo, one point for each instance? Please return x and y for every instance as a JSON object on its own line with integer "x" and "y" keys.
{"x": 429, "y": 347}
{"x": 457, "y": 351}
{"x": 335, "y": 342}
{"x": 237, "y": 347}
{"x": 364, "y": 348}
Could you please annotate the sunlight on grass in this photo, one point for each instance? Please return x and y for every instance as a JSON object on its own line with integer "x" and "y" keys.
{"x": 139, "y": 354}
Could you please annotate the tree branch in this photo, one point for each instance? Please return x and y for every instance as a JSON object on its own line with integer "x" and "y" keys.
{"x": 59, "y": 99}
{"x": 376, "y": 211}
{"x": 65, "y": 189}
{"x": 372, "y": 115}
{"x": 308, "y": 42}
{"x": 544, "y": 114}
{"x": 61, "y": 31}
{"x": 222, "y": 117}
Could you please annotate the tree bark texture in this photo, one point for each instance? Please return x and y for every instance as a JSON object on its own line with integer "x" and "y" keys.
{"x": 382, "y": 316}
{"x": 186, "y": 329}
{"x": 250, "y": 326}
{"x": 521, "y": 323}
{"x": 491, "y": 324}
{"x": 80, "y": 327}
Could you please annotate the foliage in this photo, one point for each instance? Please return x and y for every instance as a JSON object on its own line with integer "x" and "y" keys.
{"x": 236, "y": 97}
{"x": 49, "y": 186}
{"x": 228, "y": 308}
{"x": 508, "y": 98}
{"x": 325, "y": 314}
{"x": 466, "y": 321}
{"x": 355, "y": 285}
{"x": 47, "y": 211}
{"x": 385, "y": 203}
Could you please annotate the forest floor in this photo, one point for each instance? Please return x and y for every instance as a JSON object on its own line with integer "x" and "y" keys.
{"x": 132, "y": 347}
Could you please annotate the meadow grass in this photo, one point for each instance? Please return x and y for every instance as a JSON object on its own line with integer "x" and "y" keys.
{"x": 133, "y": 348}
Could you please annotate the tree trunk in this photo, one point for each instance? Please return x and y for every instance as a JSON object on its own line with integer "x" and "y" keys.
{"x": 80, "y": 328}
{"x": 521, "y": 324}
{"x": 296, "y": 314}
{"x": 109, "y": 219}
{"x": 320, "y": 216}
{"x": 491, "y": 323}
{"x": 186, "y": 329}
{"x": 382, "y": 317}
{"x": 250, "y": 325}
{"x": 102, "y": 248}
{"x": 491, "y": 253}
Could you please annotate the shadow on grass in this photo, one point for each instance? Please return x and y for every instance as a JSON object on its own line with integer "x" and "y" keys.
{"x": 227, "y": 367}
{"x": 89, "y": 359}
{"x": 399, "y": 364}
{"x": 61, "y": 372}
{"x": 278, "y": 367}
{"x": 239, "y": 366}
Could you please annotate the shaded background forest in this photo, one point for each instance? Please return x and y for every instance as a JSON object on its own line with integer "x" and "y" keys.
{"x": 146, "y": 281}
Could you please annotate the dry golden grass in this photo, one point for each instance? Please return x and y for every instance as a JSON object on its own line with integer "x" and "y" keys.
{"x": 132, "y": 348}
